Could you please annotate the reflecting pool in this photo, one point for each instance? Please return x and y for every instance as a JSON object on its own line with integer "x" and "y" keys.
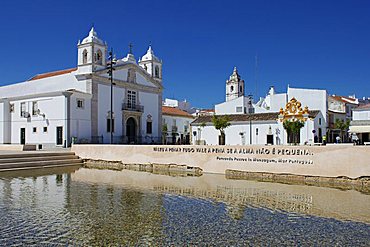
{"x": 89, "y": 207}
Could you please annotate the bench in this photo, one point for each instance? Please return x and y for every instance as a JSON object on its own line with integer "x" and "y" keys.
{"x": 366, "y": 143}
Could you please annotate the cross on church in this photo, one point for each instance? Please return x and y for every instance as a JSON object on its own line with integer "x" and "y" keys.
{"x": 130, "y": 48}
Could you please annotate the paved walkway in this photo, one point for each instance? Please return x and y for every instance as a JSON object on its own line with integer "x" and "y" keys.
{"x": 49, "y": 150}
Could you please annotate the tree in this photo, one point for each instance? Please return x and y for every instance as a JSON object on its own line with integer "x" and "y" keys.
{"x": 221, "y": 123}
{"x": 293, "y": 128}
{"x": 342, "y": 125}
{"x": 201, "y": 127}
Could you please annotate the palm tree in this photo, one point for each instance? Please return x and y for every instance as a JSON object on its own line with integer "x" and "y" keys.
{"x": 221, "y": 123}
{"x": 293, "y": 128}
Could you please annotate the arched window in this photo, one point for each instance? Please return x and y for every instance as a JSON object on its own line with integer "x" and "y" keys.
{"x": 156, "y": 72}
{"x": 98, "y": 58}
{"x": 149, "y": 125}
{"x": 231, "y": 88}
{"x": 84, "y": 56}
{"x": 241, "y": 89}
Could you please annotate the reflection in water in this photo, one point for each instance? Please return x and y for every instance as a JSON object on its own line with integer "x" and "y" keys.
{"x": 99, "y": 208}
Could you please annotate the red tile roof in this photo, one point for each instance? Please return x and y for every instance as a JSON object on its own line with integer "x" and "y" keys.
{"x": 207, "y": 110}
{"x": 266, "y": 116}
{"x": 363, "y": 107}
{"x": 173, "y": 111}
{"x": 53, "y": 73}
{"x": 346, "y": 99}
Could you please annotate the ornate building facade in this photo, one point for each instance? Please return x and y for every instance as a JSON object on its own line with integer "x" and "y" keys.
{"x": 59, "y": 107}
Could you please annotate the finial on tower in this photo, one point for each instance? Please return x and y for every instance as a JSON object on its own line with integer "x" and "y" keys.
{"x": 130, "y": 48}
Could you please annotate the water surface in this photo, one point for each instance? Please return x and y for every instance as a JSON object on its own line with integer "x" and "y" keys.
{"x": 99, "y": 207}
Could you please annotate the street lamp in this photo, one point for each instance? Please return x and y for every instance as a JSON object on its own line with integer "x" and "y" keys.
{"x": 112, "y": 61}
{"x": 250, "y": 111}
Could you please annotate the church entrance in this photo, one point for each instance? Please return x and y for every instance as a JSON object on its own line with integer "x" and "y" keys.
{"x": 131, "y": 130}
{"x": 270, "y": 139}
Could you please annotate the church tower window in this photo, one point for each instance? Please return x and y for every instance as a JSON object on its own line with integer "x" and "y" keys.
{"x": 84, "y": 56}
{"x": 231, "y": 88}
{"x": 156, "y": 72}
{"x": 99, "y": 57}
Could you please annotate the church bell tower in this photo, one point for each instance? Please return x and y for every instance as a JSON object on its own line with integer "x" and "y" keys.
{"x": 234, "y": 86}
{"x": 152, "y": 64}
{"x": 92, "y": 52}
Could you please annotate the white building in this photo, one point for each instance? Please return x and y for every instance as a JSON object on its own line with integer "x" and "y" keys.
{"x": 314, "y": 99}
{"x": 182, "y": 105}
{"x": 52, "y": 108}
{"x": 258, "y": 123}
{"x": 339, "y": 109}
{"x": 176, "y": 125}
{"x": 360, "y": 124}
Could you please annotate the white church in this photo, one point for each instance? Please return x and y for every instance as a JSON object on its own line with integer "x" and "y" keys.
{"x": 73, "y": 105}
{"x": 261, "y": 123}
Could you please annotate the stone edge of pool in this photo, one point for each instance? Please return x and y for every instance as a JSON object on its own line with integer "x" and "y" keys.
{"x": 331, "y": 165}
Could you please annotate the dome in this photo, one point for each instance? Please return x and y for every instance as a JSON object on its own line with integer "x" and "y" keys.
{"x": 149, "y": 56}
{"x": 130, "y": 58}
{"x": 93, "y": 37}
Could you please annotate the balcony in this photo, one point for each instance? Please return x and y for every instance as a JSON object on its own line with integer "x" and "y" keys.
{"x": 131, "y": 107}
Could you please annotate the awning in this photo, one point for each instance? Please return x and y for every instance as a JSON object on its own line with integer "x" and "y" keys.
{"x": 359, "y": 129}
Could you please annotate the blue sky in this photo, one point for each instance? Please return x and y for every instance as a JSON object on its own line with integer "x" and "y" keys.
{"x": 311, "y": 44}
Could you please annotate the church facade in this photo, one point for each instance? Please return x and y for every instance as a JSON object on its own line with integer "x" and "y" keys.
{"x": 73, "y": 105}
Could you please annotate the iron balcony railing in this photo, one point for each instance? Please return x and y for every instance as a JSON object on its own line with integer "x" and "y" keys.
{"x": 131, "y": 107}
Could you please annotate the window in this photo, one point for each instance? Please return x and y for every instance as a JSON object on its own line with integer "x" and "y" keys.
{"x": 149, "y": 124}
{"x": 239, "y": 109}
{"x": 156, "y": 72}
{"x": 186, "y": 128}
{"x": 45, "y": 129}
{"x": 11, "y": 109}
{"x": 23, "y": 109}
{"x": 34, "y": 129}
{"x": 98, "y": 57}
{"x": 84, "y": 56}
{"x": 80, "y": 103}
{"x": 231, "y": 88}
{"x": 110, "y": 117}
{"x": 149, "y": 127}
{"x": 241, "y": 89}
{"x": 108, "y": 125}
{"x": 35, "y": 108}
{"x": 319, "y": 121}
{"x": 131, "y": 99}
